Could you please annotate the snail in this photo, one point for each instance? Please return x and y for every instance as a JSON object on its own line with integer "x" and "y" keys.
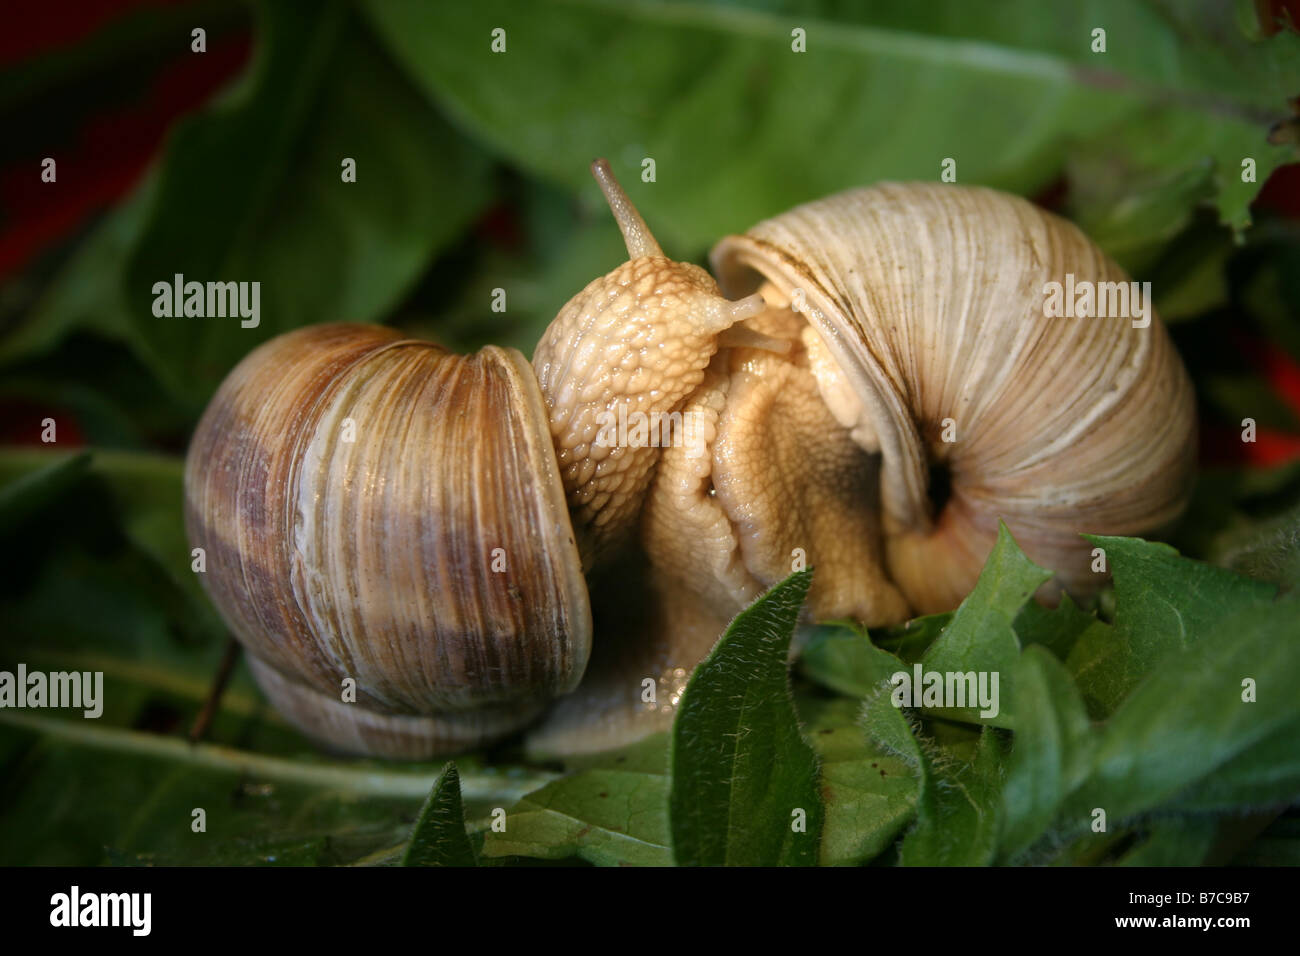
{"x": 430, "y": 532}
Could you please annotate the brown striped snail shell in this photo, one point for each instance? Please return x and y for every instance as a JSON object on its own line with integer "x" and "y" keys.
{"x": 882, "y": 331}
{"x": 353, "y": 490}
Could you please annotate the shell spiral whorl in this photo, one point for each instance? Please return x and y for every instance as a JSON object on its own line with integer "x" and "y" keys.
{"x": 931, "y": 298}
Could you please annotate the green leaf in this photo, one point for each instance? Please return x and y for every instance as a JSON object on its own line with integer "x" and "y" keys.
{"x": 1270, "y": 552}
{"x": 1194, "y": 707}
{"x": 81, "y": 792}
{"x": 1185, "y": 737}
{"x": 613, "y": 811}
{"x": 1234, "y": 509}
{"x": 59, "y": 96}
{"x": 715, "y": 95}
{"x": 260, "y": 175}
{"x": 958, "y": 815}
{"x": 843, "y": 658}
{"x": 958, "y": 803}
{"x": 869, "y": 792}
{"x": 910, "y": 641}
{"x": 1177, "y": 841}
{"x": 885, "y": 724}
{"x": 743, "y": 777}
{"x": 146, "y": 496}
{"x": 1262, "y": 774}
{"x": 1190, "y": 277}
{"x": 87, "y": 292}
{"x": 1164, "y": 603}
{"x": 439, "y": 837}
{"x": 27, "y": 492}
{"x": 1052, "y": 753}
{"x": 1188, "y": 733}
{"x": 981, "y": 636}
{"x": 1058, "y": 629}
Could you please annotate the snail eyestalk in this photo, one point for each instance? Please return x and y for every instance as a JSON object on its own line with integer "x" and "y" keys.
{"x": 636, "y": 234}
{"x": 747, "y": 308}
{"x": 743, "y": 337}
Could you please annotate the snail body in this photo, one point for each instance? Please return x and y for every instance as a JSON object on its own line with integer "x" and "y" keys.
{"x": 441, "y": 558}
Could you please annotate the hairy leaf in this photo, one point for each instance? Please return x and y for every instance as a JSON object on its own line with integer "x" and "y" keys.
{"x": 611, "y": 811}
{"x": 744, "y": 780}
{"x": 981, "y": 637}
{"x": 439, "y": 837}
{"x": 870, "y": 793}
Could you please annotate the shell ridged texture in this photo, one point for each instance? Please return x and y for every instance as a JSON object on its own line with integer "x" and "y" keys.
{"x": 932, "y": 299}
{"x": 373, "y": 558}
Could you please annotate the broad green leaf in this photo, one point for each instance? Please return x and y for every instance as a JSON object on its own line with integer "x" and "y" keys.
{"x": 1052, "y": 750}
{"x": 439, "y": 837}
{"x": 981, "y": 637}
{"x": 716, "y": 94}
{"x": 252, "y": 190}
{"x": 77, "y": 595}
{"x": 1185, "y": 737}
{"x": 870, "y": 793}
{"x": 744, "y": 788}
{"x": 613, "y": 811}
{"x": 1188, "y": 723}
{"x": 72, "y": 594}
{"x": 566, "y": 245}
{"x": 1164, "y": 604}
{"x": 958, "y": 740}
{"x": 1134, "y": 217}
{"x": 1261, "y": 775}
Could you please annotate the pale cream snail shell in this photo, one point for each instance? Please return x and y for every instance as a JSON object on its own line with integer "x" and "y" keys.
{"x": 875, "y": 324}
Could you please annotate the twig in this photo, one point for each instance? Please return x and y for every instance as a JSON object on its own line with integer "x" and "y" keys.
{"x": 219, "y": 682}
